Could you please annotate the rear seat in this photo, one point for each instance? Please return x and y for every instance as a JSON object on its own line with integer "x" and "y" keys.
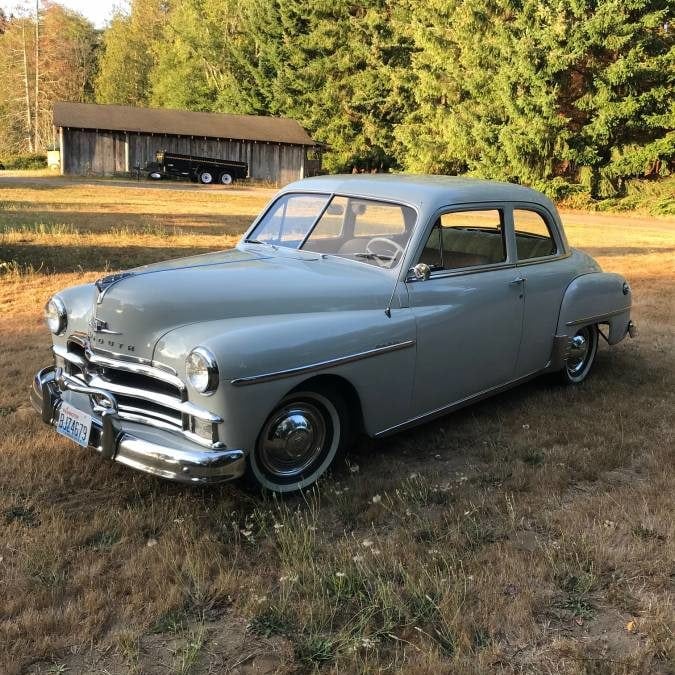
{"x": 533, "y": 247}
{"x": 465, "y": 248}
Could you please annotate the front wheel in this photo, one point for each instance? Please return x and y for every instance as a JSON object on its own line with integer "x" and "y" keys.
{"x": 299, "y": 441}
{"x": 582, "y": 351}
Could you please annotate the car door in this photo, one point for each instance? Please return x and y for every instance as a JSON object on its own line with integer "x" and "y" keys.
{"x": 543, "y": 264}
{"x": 468, "y": 311}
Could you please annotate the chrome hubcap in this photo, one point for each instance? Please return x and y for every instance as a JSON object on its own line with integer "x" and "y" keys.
{"x": 578, "y": 352}
{"x": 292, "y": 439}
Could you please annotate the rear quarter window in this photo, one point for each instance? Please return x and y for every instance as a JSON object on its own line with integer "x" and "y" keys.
{"x": 534, "y": 238}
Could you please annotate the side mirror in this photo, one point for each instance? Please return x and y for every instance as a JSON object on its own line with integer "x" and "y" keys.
{"x": 421, "y": 271}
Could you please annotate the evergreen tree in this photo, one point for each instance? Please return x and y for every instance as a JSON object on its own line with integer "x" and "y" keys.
{"x": 193, "y": 66}
{"x": 128, "y": 53}
{"x": 339, "y": 68}
{"x": 526, "y": 91}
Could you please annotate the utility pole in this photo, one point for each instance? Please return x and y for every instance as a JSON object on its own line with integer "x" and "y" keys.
{"x": 37, "y": 75}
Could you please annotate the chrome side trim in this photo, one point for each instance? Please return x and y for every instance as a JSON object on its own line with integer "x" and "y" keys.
{"x": 322, "y": 365}
{"x": 439, "y": 412}
{"x": 598, "y": 317}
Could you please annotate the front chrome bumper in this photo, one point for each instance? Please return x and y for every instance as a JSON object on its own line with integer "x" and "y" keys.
{"x": 161, "y": 453}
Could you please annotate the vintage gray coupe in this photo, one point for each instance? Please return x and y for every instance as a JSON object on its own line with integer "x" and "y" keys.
{"x": 353, "y": 304}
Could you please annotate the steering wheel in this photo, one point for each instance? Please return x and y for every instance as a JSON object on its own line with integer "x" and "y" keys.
{"x": 397, "y": 249}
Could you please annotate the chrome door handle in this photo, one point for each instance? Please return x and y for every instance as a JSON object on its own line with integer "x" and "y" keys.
{"x": 517, "y": 281}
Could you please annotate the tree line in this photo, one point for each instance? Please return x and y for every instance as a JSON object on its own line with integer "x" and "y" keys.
{"x": 522, "y": 90}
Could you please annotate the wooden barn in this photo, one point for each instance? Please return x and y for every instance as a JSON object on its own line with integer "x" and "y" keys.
{"x": 113, "y": 139}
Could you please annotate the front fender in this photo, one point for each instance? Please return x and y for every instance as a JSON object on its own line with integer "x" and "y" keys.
{"x": 78, "y": 301}
{"x": 285, "y": 346}
{"x": 599, "y": 297}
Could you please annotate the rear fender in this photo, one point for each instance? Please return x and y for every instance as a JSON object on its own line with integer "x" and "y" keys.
{"x": 596, "y": 298}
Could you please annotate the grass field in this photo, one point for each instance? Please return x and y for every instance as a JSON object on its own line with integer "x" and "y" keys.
{"x": 531, "y": 533}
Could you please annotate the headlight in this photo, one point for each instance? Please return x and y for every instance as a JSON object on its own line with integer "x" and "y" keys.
{"x": 202, "y": 370}
{"x": 55, "y": 315}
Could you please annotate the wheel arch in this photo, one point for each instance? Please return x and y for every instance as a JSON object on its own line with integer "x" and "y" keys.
{"x": 344, "y": 387}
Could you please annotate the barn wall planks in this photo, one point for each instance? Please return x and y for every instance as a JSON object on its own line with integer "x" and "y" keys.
{"x": 96, "y": 152}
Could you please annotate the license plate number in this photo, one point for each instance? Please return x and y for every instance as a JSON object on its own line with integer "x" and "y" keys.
{"x": 74, "y": 424}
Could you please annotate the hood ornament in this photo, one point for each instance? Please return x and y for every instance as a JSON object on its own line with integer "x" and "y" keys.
{"x": 104, "y": 283}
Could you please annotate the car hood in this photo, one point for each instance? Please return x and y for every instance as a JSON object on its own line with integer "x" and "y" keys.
{"x": 134, "y": 309}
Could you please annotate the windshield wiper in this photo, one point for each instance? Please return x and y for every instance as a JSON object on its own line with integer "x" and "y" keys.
{"x": 373, "y": 256}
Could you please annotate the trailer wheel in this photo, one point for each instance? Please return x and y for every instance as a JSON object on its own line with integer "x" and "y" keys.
{"x": 205, "y": 177}
{"x": 155, "y": 176}
{"x": 225, "y": 178}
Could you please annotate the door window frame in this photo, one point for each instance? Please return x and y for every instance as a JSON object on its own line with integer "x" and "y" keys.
{"x": 551, "y": 224}
{"x": 507, "y": 233}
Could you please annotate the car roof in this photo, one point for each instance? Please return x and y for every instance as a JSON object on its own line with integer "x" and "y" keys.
{"x": 419, "y": 190}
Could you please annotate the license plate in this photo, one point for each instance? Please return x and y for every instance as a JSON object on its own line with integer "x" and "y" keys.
{"x": 74, "y": 424}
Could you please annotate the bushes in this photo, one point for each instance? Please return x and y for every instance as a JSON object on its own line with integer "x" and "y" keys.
{"x": 656, "y": 197}
{"x": 558, "y": 188}
{"x": 30, "y": 161}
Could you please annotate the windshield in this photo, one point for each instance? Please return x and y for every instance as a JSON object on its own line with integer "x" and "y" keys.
{"x": 366, "y": 230}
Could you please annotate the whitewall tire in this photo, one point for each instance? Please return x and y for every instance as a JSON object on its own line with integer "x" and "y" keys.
{"x": 299, "y": 441}
{"x": 582, "y": 351}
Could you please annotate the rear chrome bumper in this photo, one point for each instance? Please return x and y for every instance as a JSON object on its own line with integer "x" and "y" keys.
{"x": 158, "y": 452}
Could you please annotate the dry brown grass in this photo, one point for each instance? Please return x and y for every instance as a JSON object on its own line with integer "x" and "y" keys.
{"x": 533, "y": 532}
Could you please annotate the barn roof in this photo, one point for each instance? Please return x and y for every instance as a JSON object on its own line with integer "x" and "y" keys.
{"x": 180, "y": 122}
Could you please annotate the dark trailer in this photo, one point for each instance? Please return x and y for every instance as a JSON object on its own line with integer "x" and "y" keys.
{"x": 100, "y": 140}
{"x": 203, "y": 169}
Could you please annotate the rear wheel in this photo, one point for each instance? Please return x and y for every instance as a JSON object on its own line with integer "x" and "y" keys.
{"x": 205, "y": 177}
{"x": 226, "y": 178}
{"x": 582, "y": 351}
{"x": 299, "y": 441}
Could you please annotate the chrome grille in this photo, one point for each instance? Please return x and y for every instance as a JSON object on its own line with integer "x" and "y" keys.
{"x": 144, "y": 392}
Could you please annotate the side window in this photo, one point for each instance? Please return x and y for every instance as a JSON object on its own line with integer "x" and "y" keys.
{"x": 372, "y": 219}
{"x": 466, "y": 239}
{"x": 533, "y": 235}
